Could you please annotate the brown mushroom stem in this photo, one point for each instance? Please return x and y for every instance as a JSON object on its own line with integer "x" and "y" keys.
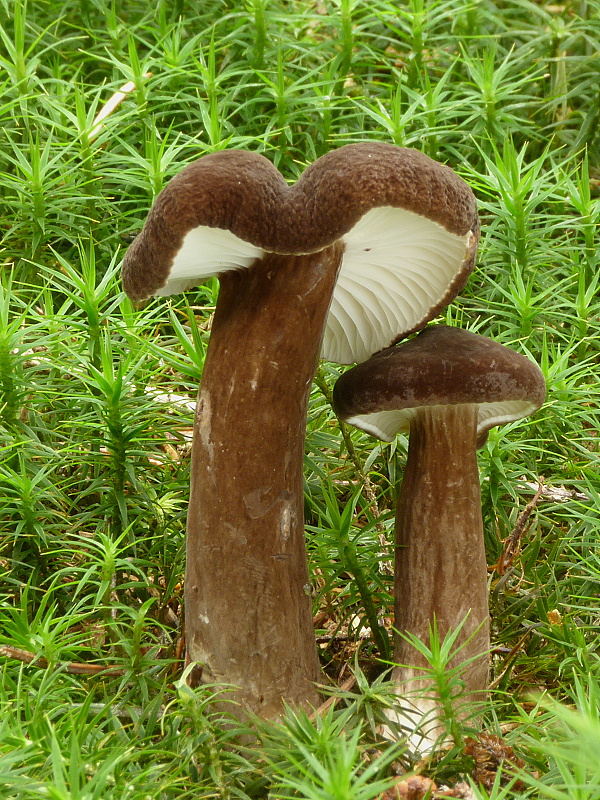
{"x": 440, "y": 556}
{"x": 245, "y": 537}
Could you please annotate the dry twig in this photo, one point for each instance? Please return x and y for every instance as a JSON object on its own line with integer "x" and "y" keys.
{"x": 512, "y": 543}
{"x": 73, "y": 667}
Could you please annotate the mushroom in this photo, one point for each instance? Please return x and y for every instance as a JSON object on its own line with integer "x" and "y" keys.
{"x": 394, "y": 234}
{"x": 447, "y": 387}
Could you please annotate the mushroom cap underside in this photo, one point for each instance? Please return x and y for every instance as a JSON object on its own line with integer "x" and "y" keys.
{"x": 441, "y": 366}
{"x": 409, "y": 226}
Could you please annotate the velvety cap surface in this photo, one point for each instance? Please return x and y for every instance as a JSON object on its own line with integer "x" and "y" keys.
{"x": 409, "y": 226}
{"x": 441, "y": 366}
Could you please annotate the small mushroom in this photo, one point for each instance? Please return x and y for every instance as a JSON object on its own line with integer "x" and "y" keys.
{"x": 447, "y": 387}
{"x": 367, "y": 246}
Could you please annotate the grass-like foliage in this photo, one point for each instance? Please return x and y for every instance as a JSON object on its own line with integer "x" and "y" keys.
{"x": 96, "y": 397}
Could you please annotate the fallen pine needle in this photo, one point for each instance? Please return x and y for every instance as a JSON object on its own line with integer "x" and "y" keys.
{"x": 111, "y": 104}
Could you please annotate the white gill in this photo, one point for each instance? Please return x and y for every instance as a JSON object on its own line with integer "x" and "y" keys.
{"x": 396, "y": 266}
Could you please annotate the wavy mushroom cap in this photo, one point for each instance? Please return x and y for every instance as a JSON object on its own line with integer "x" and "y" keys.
{"x": 439, "y": 367}
{"x": 409, "y": 226}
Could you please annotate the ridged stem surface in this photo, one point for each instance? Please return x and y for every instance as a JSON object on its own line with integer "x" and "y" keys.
{"x": 247, "y": 594}
{"x": 441, "y": 568}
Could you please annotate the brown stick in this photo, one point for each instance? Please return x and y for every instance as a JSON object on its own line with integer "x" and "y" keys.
{"x": 72, "y": 667}
{"x": 512, "y": 543}
{"x": 334, "y": 699}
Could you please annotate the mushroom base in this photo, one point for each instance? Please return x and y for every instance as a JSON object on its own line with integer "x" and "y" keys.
{"x": 248, "y": 609}
{"x": 441, "y": 569}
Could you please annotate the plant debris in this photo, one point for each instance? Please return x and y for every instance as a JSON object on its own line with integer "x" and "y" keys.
{"x": 491, "y": 753}
{"x": 417, "y": 787}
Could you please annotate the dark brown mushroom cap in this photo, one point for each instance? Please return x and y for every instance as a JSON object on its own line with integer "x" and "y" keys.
{"x": 243, "y": 194}
{"x": 441, "y": 366}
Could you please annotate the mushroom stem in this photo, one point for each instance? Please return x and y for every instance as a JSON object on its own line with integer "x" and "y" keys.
{"x": 247, "y": 594}
{"x": 440, "y": 555}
